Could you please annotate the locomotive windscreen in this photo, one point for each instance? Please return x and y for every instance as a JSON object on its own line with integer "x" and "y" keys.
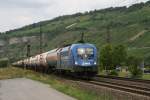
{"x": 85, "y": 52}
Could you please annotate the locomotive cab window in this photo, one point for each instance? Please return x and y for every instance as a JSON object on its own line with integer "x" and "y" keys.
{"x": 85, "y": 52}
{"x": 90, "y": 52}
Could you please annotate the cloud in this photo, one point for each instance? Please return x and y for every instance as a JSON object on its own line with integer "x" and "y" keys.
{"x": 24, "y": 3}
{"x": 17, "y": 13}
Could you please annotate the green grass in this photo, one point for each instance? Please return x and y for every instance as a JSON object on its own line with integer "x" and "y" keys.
{"x": 124, "y": 74}
{"x": 146, "y": 76}
{"x": 55, "y": 82}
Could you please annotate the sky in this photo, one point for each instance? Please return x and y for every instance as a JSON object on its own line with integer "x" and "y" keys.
{"x": 17, "y": 13}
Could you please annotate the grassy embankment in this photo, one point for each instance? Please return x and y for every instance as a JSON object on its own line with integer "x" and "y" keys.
{"x": 74, "y": 91}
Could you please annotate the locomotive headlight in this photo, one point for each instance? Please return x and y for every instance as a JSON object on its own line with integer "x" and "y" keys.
{"x": 95, "y": 63}
{"x": 81, "y": 51}
{"x": 76, "y": 63}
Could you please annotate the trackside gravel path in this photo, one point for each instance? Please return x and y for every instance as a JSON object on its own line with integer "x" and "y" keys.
{"x": 26, "y": 89}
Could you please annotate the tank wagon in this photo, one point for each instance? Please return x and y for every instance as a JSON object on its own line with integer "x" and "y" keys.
{"x": 76, "y": 58}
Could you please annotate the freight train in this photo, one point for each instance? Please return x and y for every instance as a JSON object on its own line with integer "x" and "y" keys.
{"x": 78, "y": 58}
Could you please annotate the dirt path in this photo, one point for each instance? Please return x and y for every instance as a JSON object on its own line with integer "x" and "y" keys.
{"x": 137, "y": 35}
{"x": 26, "y": 89}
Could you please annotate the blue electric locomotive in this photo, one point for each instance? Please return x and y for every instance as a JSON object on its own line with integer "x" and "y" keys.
{"x": 78, "y": 58}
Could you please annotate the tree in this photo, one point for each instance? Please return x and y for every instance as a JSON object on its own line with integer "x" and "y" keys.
{"x": 147, "y": 60}
{"x": 106, "y": 57}
{"x": 119, "y": 55}
{"x": 133, "y": 65}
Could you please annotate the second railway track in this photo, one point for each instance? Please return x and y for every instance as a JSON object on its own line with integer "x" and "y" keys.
{"x": 135, "y": 86}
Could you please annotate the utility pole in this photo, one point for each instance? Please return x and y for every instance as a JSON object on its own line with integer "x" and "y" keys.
{"x": 108, "y": 36}
{"x": 7, "y": 49}
{"x": 82, "y": 37}
{"x": 41, "y": 49}
{"x": 40, "y": 39}
{"x": 28, "y": 49}
{"x": 108, "y": 41}
{"x": 28, "y": 53}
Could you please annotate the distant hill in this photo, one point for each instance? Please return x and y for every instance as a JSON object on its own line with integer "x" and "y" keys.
{"x": 128, "y": 26}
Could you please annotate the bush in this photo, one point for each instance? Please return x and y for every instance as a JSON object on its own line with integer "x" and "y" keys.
{"x": 113, "y": 73}
{"x": 3, "y": 63}
{"x": 133, "y": 63}
{"x": 135, "y": 72}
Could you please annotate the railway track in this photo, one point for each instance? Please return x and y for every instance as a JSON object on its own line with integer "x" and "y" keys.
{"x": 118, "y": 87}
{"x": 124, "y": 78}
{"x": 136, "y": 86}
{"x": 133, "y": 86}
